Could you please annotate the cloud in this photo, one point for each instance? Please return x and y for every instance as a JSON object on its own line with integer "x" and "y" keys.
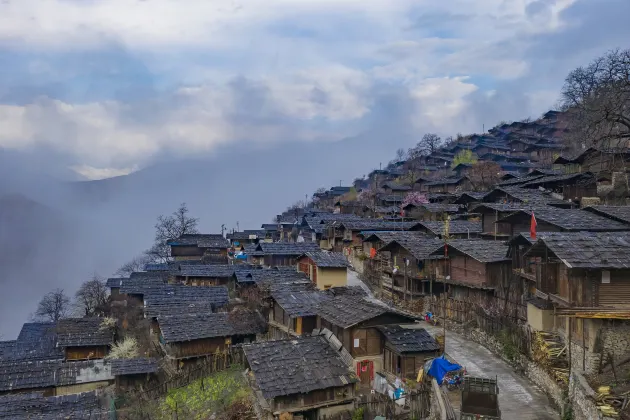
{"x": 115, "y": 90}
{"x": 91, "y": 173}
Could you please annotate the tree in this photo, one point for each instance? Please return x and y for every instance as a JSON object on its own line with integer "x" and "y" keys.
{"x": 597, "y": 98}
{"x": 137, "y": 264}
{"x": 464, "y": 156}
{"x": 414, "y": 198}
{"x": 91, "y": 297}
{"x": 170, "y": 227}
{"x": 483, "y": 175}
{"x": 429, "y": 143}
{"x": 400, "y": 154}
{"x": 54, "y": 306}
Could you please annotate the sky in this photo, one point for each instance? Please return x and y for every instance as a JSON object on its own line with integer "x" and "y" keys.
{"x": 239, "y": 108}
{"x": 108, "y": 87}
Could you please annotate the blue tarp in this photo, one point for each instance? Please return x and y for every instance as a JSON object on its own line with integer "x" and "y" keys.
{"x": 440, "y": 366}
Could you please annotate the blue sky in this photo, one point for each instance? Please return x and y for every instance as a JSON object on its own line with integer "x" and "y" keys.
{"x": 109, "y": 86}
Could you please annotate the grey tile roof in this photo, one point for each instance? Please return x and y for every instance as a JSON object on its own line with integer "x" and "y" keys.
{"x": 439, "y": 207}
{"x": 478, "y": 249}
{"x": 376, "y": 224}
{"x": 501, "y": 207}
{"x": 40, "y": 349}
{"x": 405, "y": 340}
{"x": 198, "y": 326}
{"x": 215, "y": 240}
{"x": 396, "y": 187}
{"x": 205, "y": 270}
{"x": 157, "y": 267}
{"x": 134, "y": 366}
{"x": 244, "y": 235}
{"x": 348, "y": 306}
{"x": 180, "y": 306}
{"x": 16, "y": 375}
{"x": 286, "y": 248}
{"x": 80, "y": 332}
{"x": 446, "y": 181}
{"x": 137, "y": 286}
{"x": 150, "y": 275}
{"x": 36, "y": 330}
{"x": 298, "y": 302}
{"x": 390, "y": 198}
{"x": 568, "y": 219}
{"x": 217, "y": 295}
{"x": 519, "y": 181}
{"x": 618, "y": 213}
{"x": 525, "y": 196}
{"x": 579, "y": 178}
{"x": 328, "y": 259}
{"x": 386, "y": 209}
{"x": 34, "y": 406}
{"x": 456, "y": 227}
{"x": 388, "y": 236}
{"x": 115, "y": 282}
{"x": 467, "y": 196}
{"x": 421, "y": 248}
{"x": 299, "y": 366}
{"x": 602, "y": 250}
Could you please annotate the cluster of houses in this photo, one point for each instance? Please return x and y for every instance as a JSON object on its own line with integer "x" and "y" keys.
{"x": 541, "y": 246}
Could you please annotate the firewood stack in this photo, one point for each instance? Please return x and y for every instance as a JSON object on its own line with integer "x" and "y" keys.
{"x": 550, "y": 352}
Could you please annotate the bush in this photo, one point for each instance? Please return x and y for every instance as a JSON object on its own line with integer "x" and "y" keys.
{"x": 126, "y": 349}
{"x": 358, "y": 414}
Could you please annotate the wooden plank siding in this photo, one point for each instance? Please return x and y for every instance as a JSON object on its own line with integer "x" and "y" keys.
{"x": 85, "y": 353}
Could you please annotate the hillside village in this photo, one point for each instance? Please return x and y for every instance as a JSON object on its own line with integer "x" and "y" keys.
{"x": 332, "y": 310}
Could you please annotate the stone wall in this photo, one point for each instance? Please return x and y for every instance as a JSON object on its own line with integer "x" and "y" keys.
{"x": 438, "y": 409}
{"x": 582, "y": 398}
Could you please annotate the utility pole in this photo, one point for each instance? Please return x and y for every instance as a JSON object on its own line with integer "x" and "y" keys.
{"x": 238, "y": 228}
{"x": 222, "y": 229}
{"x": 340, "y": 182}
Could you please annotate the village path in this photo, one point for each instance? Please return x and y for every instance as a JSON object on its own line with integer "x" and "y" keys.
{"x": 518, "y": 397}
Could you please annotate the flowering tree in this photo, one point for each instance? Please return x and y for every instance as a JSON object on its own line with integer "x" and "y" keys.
{"x": 415, "y": 198}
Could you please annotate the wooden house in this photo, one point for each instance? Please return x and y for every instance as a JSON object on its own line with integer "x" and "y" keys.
{"x": 407, "y": 350}
{"x": 544, "y": 152}
{"x": 411, "y": 267}
{"x": 292, "y": 312}
{"x": 552, "y": 219}
{"x": 304, "y": 377}
{"x": 524, "y": 196}
{"x": 353, "y": 319}
{"x": 569, "y": 186}
{"x": 326, "y": 269}
{"x": 205, "y": 275}
{"x": 457, "y": 229}
{"x": 347, "y": 232}
{"x": 469, "y": 199}
{"x": 84, "y": 338}
{"x": 199, "y": 246}
{"x": 584, "y": 277}
{"x": 272, "y": 232}
{"x": 395, "y": 188}
{"x": 430, "y": 211}
{"x": 620, "y": 214}
{"x": 273, "y": 254}
{"x": 450, "y": 185}
{"x": 136, "y": 373}
{"x": 239, "y": 239}
{"x": 597, "y": 161}
{"x": 188, "y": 337}
{"x": 475, "y": 268}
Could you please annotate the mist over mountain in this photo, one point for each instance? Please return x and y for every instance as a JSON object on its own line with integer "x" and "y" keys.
{"x": 58, "y": 233}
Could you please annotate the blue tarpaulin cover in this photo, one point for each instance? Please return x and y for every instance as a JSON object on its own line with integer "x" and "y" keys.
{"x": 440, "y": 366}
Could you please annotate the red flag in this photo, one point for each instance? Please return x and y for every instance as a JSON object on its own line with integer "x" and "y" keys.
{"x": 532, "y": 227}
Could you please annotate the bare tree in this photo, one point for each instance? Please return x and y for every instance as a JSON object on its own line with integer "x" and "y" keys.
{"x": 54, "y": 306}
{"x": 171, "y": 227}
{"x": 400, "y": 154}
{"x": 137, "y": 264}
{"x": 483, "y": 175}
{"x": 429, "y": 143}
{"x": 597, "y": 98}
{"x": 91, "y": 297}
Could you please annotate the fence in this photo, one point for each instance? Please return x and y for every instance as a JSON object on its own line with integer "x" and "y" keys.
{"x": 211, "y": 364}
{"x": 417, "y": 405}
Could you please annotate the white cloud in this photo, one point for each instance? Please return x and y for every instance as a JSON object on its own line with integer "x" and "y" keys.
{"x": 91, "y": 173}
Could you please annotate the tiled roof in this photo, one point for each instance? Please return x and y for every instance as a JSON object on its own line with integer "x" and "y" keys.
{"x": 438, "y": 207}
{"x": 618, "y": 213}
{"x": 80, "y": 332}
{"x": 134, "y": 366}
{"x": 206, "y": 270}
{"x": 16, "y": 375}
{"x": 386, "y": 209}
{"x": 501, "y": 207}
{"x": 479, "y": 249}
{"x": 218, "y": 295}
{"x": 328, "y": 259}
{"x": 376, "y": 224}
{"x": 157, "y": 267}
{"x": 390, "y": 198}
{"x": 36, "y": 331}
{"x": 299, "y": 302}
{"x": 579, "y": 178}
{"x": 519, "y": 181}
{"x": 405, "y": 340}
{"x": 215, "y": 240}
{"x": 420, "y": 247}
{"x": 198, "y": 326}
{"x": 603, "y": 250}
{"x": 137, "y": 286}
{"x": 526, "y": 196}
{"x": 470, "y": 196}
{"x": 387, "y": 236}
{"x": 348, "y": 306}
{"x": 455, "y": 227}
{"x": 34, "y": 406}
{"x": 568, "y": 219}
{"x": 286, "y": 367}
{"x": 180, "y": 306}
{"x": 286, "y": 248}
{"x": 241, "y": 236}
{"x": 446, "y": 181}
{"x": 396, "y": 187}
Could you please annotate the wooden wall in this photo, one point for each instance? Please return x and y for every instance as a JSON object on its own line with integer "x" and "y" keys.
{"x": 85, "y": 353}
{"x": 320, "y": 396}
